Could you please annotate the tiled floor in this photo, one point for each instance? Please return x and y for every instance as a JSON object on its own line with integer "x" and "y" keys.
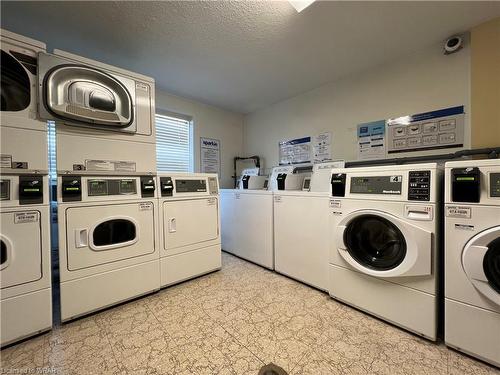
{"x": 233, "y": 322}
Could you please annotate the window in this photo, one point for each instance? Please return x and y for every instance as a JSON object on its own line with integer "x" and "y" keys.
{"x": 51, "y": 141}
{"x": 174, "y": 143}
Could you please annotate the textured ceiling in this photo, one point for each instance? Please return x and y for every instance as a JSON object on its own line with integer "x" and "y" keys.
{"x": 243, "y": 55}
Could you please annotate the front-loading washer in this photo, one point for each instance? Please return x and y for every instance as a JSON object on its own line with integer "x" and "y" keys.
{"x": 108, "y": 241}
{"x": 189, "y": 226}
{"x": 384, "y": 256}
{"x": 301, "y": 228}
{"x": 25, "y": 278}
{"x": 104, "y": 115}
{"x": 472, "y": 258}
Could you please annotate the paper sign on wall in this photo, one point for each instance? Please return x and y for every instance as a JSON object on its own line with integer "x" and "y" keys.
{"x": 322, "y": 147}
{"x": 209, "y": 155}
{"x": 439, "y": 129}
{"x": 295, "y": 151}
{"x": 371, "y": 140}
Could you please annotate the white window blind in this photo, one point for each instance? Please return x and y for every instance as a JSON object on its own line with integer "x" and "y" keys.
{"x": 174, "y": 145}
{"x": 51, "y": 141}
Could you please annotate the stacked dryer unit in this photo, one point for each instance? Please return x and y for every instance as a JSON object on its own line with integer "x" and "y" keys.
{"x": 106, "y": 163}
{"x": 25, "y": 277}
{"x": 189, "y": 233}
{"x": 385, "y": 248}
{"x": 472, "y": 258}
{"x": 301, "y": 228}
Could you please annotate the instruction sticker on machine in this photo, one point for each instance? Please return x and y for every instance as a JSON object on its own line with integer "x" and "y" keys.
{"x": 146, "y": 206}
{"x": 439, "y": 129}
{"x": 211, "y": 201}
{"x": 26, "y": 217}
{"x": 457, "y": 211}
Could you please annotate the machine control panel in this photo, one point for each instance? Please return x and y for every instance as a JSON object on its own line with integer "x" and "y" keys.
{"x": 4, "y": 190}
{"x": 147, "y": 187}
{"x": 495, "y": 185}
{"x": 71, "y": 188}
{"x": 166, "y": 186}
{"x": 190, "y": 186}
{"x": 213, "y": 187}
{"x": 100, "y": 187}
{"x": 386, "y": 185}
{"x": 466, "y": 185}
{"x": 30, "y": 189}
{"x": 419, "y": 185}
{"x": 338, "y": 184}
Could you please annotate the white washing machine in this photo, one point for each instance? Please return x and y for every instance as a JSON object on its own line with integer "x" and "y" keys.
{"x": 472, "y": 258}
{"x": 301, "y": 228}
{"x": 25, "y": 279}
{"x": 108, "y": 241}
{"x": 105, "y": 115}
{"x": 189, "y": 226}
{"x": 384, "y": 257}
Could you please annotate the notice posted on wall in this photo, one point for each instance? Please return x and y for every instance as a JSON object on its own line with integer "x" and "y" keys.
{"x": 371, "y": 140}
{"x": 443, "y": 128}
{"x": 322, "y": 147}
{"x": 209, "y": 155}
{"x": 295, "y": 151}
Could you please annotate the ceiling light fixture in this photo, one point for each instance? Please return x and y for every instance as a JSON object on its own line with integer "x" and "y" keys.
{"x": 300, "y": 5}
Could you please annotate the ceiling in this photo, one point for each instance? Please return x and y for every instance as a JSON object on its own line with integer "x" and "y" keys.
{"x": 243, "y": 56}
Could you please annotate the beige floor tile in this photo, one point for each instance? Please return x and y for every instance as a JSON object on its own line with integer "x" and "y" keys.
{"x": 81, "y": 347}
{"x": 26, "y": 356}
{"x": 461, "y": 364}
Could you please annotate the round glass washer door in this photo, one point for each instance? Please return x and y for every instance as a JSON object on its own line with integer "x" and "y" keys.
{"x": 375, "y": 242}
{"x": 481, "y": 262}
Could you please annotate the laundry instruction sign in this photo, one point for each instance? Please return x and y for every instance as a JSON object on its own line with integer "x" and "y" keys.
{"x": 295, "y": 151}
{"x": 210, "y": 155}
{"x": 371, "y": 140}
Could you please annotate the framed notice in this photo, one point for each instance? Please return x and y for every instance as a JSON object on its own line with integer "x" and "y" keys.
{"x": 295, "y": 151}
{"x": 209, "y": 155}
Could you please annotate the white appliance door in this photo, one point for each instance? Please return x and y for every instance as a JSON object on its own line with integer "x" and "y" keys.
{"x": 98, "y": 235}
{"x": 21, "y": 249}
{"x": 190, "y": 222}
{"x": 481, "y": 262}
{"x": 380, "y": 244}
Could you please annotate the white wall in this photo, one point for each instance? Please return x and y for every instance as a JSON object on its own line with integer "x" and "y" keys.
{"x": 209, "y": 122}
{"x": 422, "y": 82}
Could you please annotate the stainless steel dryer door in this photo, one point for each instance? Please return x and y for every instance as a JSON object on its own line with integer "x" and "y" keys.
{"x": 97, "y": 235}
{"x": 79, "y": 94}
{"x": 190, "y": 222}
{"x": 21, "y": 248}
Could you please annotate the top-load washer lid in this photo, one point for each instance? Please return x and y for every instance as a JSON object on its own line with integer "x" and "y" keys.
{"x": 481, "y": 262}
{"x": 88, "y": 95}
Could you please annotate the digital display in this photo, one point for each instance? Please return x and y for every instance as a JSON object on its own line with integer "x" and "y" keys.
{"x": 466, "y": 178}
{"x": 98, "y": 187}
{"x": 190, "y": 186}
{"x": 387, "y": 185}
{"x": 128, "y": 187}
{"x": 4, "y": 189}
{"x": 495, "y": 185}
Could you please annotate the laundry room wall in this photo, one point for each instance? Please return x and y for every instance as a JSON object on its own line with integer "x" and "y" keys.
{"x": 210, "y": 122}
{"x": 424, "y": 81}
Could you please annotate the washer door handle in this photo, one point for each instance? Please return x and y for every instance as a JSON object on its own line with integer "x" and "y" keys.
{"x": 172, "y": 225}
{"x": 81, "y": 238}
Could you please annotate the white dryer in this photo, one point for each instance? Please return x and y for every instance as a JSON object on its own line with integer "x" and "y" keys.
{"x": 385, "y": 250}
{"x": 104, "y": 114}
{"x": 472, "y": 258}
{"x": 108, "y": 242}
{"x": 301, "y": 228}
{"x": 25, "y": 279}
{"x": 23, "y": 135}
{"x": 189, "y": 226}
